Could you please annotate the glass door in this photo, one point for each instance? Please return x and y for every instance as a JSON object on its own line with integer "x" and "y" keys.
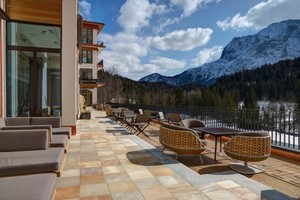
{"x": 33, "y": 83}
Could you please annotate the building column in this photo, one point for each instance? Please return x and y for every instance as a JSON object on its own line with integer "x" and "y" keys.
{"x": 69, "y": 67}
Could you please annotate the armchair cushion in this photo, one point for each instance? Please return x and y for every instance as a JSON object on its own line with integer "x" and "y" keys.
{"x": 29, "y": 162}
{"x": 25, "y": 140}
{"x": 54, "y": 121}
{"x": 28, "y": 187}
{"x": 17, "y": 121}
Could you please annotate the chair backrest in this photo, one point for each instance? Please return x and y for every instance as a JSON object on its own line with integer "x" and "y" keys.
{"x": 249, "y": 146}
{"x": 109, "y": 111}
{"x": 180, "y": 140}
{"x": 192, "y": 123}
{"x": 161, "y": 115}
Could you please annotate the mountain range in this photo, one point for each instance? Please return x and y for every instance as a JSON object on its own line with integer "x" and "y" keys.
{"x": 278, "y": 41}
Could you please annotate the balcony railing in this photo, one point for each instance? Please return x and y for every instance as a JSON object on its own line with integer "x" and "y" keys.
{"x": 283, "y": 126}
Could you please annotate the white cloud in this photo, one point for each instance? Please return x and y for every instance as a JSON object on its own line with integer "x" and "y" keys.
{"x": 85, "y": 8}
{"x": 136, "y": 14}
{"x": 167, "y": 63}
{"x": 190, "y": 6}
{"x": 207, "y": 55}
{"x": 182, "y": 40}
{"x": 263, "y": 14}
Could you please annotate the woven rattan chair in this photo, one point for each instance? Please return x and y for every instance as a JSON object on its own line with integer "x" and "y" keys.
{"x": 180, "y": 140}
{"x": 248, "y": 147}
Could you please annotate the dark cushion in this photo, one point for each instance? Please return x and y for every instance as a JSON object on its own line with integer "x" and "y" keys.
{"x": 29, "y": 162}
{"x": 17, "y": 121}
{"x": 54, "y": 121}
{"x": 28, "y": 187}
{"x": 25, "y": 140}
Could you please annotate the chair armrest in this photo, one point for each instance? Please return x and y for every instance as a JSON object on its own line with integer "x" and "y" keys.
{"x": 23, "y": 140}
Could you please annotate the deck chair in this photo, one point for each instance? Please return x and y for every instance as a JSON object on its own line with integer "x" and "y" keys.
{"x": 140, "y": 124}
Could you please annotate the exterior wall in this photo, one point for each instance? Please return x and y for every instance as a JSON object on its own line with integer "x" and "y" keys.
{"x": 69, "y": 76}
{"x": 1, "y": 62}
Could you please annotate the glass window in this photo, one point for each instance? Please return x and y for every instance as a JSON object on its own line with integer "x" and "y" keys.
{"x": 29, "y": 35}
{"x": 87, "y": 56}
{"x": 33, "y": 83}
{"x": 33, "y": 75}
{"x": 87, "y": 36}
{"x": 86, "y": 73}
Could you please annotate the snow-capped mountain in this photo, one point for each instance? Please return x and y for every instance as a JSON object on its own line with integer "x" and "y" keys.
{"x": 279, "y": 41}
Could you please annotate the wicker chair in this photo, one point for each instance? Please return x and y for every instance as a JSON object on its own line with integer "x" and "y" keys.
{"x": 180, "y": 140}
{"x": 248, "y": 147}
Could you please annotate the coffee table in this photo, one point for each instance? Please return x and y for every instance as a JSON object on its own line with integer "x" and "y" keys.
{"x": 218, "y": 132}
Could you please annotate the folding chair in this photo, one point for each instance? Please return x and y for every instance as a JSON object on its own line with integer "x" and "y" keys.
{"x": 140, "y": 123}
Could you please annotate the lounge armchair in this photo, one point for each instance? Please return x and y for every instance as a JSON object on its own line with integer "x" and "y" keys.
{"x": 180, "y": 140}
{"x": 28, "y": 152}
{"x": 194, "y": 123}
{"x": 55, "y": 122}
{"x": 175, "y": 119}
{"x": 58, "y": 136}
{"x": 248, "y": 147}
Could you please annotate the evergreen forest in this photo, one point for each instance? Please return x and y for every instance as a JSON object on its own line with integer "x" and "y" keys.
{"x": 276, "y": 82}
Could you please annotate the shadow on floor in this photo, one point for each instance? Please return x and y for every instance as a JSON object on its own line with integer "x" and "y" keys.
{"x": 150, "y": 157}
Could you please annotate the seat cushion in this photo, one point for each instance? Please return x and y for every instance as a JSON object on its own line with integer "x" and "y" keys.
{"x": 59, "y": 141}
{"x": 28, "y": 187}
{"x": 62, "y": 131}
{"x": 29, "y": 162}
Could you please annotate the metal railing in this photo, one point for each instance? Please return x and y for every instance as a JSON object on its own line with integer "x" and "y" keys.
{"x": 283, "y": 126}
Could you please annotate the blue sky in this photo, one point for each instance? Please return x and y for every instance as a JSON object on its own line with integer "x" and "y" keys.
{"x": 170, "y": 36}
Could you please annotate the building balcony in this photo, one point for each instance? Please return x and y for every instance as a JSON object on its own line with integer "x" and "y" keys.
{"x": 96, "y": 47}
{"x": 88, "y": 83}
{"x": 124, "y": 165}
{"x": 100, "y": 65}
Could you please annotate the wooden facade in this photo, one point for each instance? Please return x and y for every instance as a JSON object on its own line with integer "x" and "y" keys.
{"x": 41, "y": 11}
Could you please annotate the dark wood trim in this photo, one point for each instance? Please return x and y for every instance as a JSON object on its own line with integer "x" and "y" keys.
{"x": 33, "y": 49}
{"x": 3, "y": 15}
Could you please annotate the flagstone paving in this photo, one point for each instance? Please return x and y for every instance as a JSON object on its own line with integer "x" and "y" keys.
{"x": 104, "y": 161}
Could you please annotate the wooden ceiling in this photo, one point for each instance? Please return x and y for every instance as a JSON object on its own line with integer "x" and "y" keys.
{"x": 39, "y": 11}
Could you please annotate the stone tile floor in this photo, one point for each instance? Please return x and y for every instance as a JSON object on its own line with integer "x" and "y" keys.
{"x": 104, "y": 161}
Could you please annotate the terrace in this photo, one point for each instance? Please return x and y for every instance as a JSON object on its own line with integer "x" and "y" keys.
{"x": 105, "y": 161}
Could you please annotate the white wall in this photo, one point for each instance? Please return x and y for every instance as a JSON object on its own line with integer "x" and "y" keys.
{"x": 69, "y": 63}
